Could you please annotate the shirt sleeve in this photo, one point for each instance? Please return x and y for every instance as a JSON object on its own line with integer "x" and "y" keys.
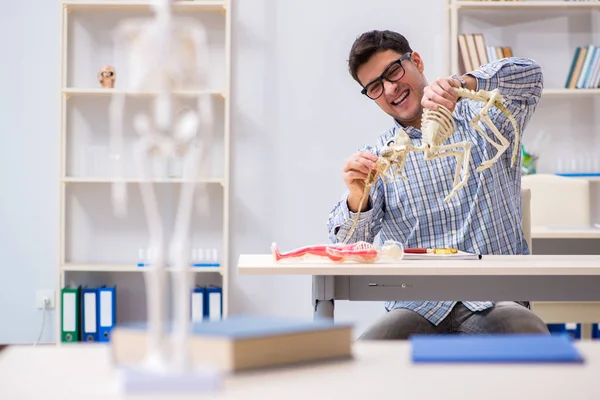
{"x": 368, "y": 224}
{"x": 520, "y": 82}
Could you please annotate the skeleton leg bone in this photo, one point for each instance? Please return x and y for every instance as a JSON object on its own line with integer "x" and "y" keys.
{"x": 462, "y": 162}
{"x": 500, "y": 147}
{"x": 179, "y": 248}
{"x": 119, "y": 187}
{"x": 155, "y": 273}
{"x": 492, "y": 98}
{"x": 515, "y": 125}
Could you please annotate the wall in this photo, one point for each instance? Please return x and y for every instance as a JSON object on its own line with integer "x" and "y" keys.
{"x": 29, "y": 39}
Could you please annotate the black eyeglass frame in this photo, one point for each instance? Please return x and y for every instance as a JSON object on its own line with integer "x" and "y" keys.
{"x": 382, "y": 77}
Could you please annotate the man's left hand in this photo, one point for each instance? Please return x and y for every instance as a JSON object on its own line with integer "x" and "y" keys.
{"x": 442, "y": 91}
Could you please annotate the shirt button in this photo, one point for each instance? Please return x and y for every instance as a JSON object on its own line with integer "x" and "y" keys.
{"x": 453, "y": 232}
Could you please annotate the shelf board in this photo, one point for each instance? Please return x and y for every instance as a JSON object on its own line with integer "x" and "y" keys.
{"x": 126, "y": 268}
{"x": 219, "y": 181}
{"x": 527, "y": 4}
{"x": 110, "y": 92}
{"x": 587, "y": 177}
{"x": 538, "y": 232}
{"x": 570, "y": 92}
{"x": 189, "y": 5}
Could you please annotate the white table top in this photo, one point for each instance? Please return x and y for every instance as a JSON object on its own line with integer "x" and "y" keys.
{"x": 256, "y": 264}
{"x": 380, "y": 370}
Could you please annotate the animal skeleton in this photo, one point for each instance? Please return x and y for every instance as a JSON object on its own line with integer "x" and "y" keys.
{"x": 436, "y": 127}
{"x": 164, "y": 54}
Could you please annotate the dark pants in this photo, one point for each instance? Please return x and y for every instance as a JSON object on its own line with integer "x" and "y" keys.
{"x": 504, "y": 317}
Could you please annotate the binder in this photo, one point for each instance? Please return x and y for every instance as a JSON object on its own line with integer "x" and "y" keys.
{"x": 107, "y": 300}
{"x": 70, "y": 314}
{"x": 198, "y": 309}
{"x": 494, "y": 348}
{"x": 89, "y": 315}
{"x": 214, "y": 303}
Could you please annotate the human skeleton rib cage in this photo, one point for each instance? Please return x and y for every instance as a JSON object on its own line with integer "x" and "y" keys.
{"x": 165, "y": 54}
{"x": 437, "y": 126}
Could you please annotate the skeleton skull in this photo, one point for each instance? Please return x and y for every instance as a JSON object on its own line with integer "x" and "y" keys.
{"x": 106, "y": 77}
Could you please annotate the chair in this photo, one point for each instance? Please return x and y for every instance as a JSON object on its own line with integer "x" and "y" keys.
{"x": 526, "y": 215}
{"x": 558, "y": 201}
{"x": 555, "y": 201}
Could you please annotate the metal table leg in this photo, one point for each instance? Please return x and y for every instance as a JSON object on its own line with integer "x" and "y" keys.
{"x": 324, "y": 309}
{"x": 323, "y": 297}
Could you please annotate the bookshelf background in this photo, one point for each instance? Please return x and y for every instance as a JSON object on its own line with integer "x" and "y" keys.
{"x": 96, "y": 247}
{"x": 565, "y": 130}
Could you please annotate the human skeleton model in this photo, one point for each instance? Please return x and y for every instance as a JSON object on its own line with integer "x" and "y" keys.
{"x": 164, "y": 54}
{"x": 362, "y": 252}
{"x": 107, "y": 76}
{"x": 437, "y": 126}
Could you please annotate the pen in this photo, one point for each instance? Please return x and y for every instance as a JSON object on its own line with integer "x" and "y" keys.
{"x": 420, "y": 250}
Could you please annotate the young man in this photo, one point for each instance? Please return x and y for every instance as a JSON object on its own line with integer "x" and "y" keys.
{"x": 485, "y": 215}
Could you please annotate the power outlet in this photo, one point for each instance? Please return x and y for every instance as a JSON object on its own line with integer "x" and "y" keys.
{"x": 41, "y": 295}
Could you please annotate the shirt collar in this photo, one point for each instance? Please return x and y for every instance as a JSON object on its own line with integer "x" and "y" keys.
{"x": 411, "y": 131}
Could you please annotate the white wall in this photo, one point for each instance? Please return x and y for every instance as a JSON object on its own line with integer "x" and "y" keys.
{"x": 29, "y": 123}
{"x": 296, "y": 115}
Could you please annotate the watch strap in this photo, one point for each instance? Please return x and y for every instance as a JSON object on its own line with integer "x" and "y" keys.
{"x": 463, "y": 83}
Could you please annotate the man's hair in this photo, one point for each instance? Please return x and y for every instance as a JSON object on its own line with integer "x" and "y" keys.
{"x": 372, "y": 42}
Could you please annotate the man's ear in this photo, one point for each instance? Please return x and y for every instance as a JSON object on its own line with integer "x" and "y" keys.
{"x": 418, "y": 61}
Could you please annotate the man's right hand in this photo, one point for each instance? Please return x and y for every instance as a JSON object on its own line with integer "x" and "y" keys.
{"x": 356, "y": 170}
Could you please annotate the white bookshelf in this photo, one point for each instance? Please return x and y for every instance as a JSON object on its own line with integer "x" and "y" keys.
{"x": 95, "y": 246}
{"x": 527, "y": 4}
{"x": 549, "y": 32}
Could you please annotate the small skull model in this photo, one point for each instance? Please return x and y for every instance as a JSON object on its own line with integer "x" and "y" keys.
{"x": 106, "y": 77}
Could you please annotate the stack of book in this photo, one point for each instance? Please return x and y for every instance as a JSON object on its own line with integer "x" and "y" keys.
{"x": 585, "y": 68}
{"x": 473, "y": 52}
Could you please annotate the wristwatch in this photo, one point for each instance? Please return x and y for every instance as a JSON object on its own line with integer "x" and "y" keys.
{"x": 463, "y": 83}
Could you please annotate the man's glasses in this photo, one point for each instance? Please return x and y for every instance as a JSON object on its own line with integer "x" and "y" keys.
{"x": 393, "y": 73}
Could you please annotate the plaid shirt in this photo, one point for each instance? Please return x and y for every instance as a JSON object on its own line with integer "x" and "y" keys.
{"x": 485, "y": 215}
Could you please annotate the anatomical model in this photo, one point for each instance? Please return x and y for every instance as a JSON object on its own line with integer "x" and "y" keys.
{"x": 107, "y": 76}
{"x": 437, "y": 126}
{"x": 165, "y": 54}
{"x": 363, "y": 252}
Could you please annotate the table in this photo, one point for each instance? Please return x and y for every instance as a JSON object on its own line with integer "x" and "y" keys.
{"x": 379, "y": 370}
{"x": 561, "y": 278}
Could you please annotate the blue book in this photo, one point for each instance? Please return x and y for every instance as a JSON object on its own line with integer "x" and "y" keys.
{"x": 496, "y": 348}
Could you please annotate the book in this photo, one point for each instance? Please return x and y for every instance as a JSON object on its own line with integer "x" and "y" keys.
{"x": 245, "y": 342}
{"x": 494, "y": 348}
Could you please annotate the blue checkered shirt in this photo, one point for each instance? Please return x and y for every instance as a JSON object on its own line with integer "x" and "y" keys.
{"x": 485, "y": 215}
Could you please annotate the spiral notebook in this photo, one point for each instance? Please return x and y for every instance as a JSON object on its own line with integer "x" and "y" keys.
{"x": 494, "y": 348}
